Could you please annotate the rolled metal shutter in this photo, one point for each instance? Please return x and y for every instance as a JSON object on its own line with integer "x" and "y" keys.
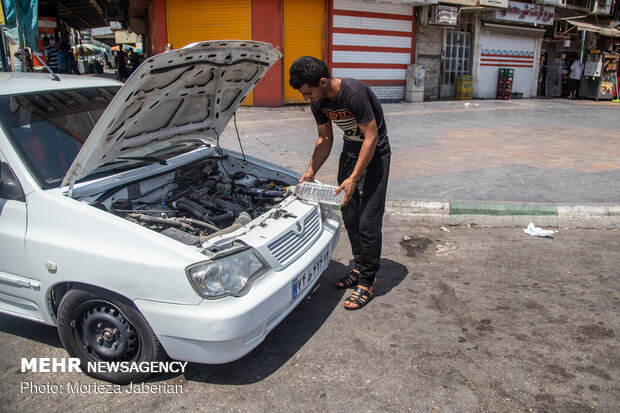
{"x": 190, "y": 21}
{"x": 304, "y": 34}
{"x": 502, "y": 50}
{"x": 373, "y": 42}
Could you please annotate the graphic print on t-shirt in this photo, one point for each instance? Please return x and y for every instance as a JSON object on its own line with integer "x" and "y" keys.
{"x": 345, "y": 121}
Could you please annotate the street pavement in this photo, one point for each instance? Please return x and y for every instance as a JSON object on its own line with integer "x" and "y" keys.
{"x": 524, "y": 150}
{"x": 471, "y": 320}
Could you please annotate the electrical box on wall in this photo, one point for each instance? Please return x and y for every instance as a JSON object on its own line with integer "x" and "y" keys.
{"x": 444, "y": 15}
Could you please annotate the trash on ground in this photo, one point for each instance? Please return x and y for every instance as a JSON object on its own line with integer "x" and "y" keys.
{"x": 444, "y": 229}
{"x": 406, "y": 238}
{"x": 538, "y": 232}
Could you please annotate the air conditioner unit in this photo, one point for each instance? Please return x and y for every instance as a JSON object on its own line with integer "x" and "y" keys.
{"x": 600, "y": 6}
{"x": 444, "y": 15}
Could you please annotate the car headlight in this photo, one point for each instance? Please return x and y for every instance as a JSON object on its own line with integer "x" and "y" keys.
{"x": 229, "y": 275}
{"x": 326, "y": 211}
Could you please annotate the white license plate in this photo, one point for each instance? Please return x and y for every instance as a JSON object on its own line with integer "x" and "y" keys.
{"x": 310, "y": 273}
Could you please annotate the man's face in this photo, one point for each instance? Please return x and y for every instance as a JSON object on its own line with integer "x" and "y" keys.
{"x": 314, "y": 93}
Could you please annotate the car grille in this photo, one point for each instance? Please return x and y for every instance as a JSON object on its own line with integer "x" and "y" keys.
{"x": 290, "y": 244}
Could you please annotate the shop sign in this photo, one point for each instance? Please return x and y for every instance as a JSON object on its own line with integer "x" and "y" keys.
{"x": 502, "y": 4}
{"x": 526, "y": 13}
{"x": 462, "y": 3}
{"x": 417, "y": 3}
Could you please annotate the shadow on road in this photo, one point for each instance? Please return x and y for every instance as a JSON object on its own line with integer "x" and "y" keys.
{"x": 295, "y": 331}
{"x": 30, "y": 330}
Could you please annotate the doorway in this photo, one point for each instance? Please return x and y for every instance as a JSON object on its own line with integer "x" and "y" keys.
{"x": 456, "y": 60}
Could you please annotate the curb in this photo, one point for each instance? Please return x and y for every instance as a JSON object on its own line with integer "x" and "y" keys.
{"x": 509, "y": 213}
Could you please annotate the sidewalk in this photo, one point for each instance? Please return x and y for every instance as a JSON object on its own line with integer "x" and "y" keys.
{"x": 556, "y": 152}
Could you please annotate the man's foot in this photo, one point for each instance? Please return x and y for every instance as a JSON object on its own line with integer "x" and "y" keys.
{"x": 359, "y": 298}
{"x": 348, "y": 280}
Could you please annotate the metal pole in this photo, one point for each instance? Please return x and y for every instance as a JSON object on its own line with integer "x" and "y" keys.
{"x": 2, "y": 44}
{"x": 583, "y": 43}
{"x": 20, "y": 33}
{"x": 2, "y": 52}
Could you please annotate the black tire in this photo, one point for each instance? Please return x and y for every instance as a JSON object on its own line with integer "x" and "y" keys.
{"x": 97, "y": 326}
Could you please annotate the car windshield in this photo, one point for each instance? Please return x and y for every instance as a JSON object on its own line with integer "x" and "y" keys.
{"x": 48, "y": 130}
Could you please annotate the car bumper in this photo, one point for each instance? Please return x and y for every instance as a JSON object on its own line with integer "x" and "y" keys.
{"x": 219, "y": 331}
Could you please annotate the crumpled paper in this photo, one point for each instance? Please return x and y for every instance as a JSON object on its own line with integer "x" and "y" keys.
{"x": 538, "y": 232}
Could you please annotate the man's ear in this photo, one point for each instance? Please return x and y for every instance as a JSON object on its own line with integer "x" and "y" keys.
{"x": 323, "y": 82}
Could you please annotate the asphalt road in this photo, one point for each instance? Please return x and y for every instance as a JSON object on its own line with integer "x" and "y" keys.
{"x": 474, "y": 319}
{"x": 523, "y": 150}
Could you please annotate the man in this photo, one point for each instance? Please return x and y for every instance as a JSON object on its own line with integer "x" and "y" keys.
{"x": 121, "y": 64}
{"x": 576, "y": 70}
{"x": 363, "y": 168}
{"x": 64, "y": 59}
{"x": 51, "y": 54}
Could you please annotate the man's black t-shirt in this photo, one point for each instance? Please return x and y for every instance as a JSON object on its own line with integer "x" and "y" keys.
{"x": 355, "y": 103}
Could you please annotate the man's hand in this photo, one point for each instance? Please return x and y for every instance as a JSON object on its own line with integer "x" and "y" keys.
{"x": 348, "y": 186}
{"x": 308, "y": 176}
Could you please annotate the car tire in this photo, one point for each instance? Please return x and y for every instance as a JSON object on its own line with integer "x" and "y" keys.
{"x": 98, "y": 326}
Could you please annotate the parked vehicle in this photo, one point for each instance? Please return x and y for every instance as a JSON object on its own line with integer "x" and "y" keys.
{"x": 125, "y": 224}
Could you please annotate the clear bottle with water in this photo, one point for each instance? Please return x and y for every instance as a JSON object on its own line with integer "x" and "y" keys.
{"x": 312, "y": 191}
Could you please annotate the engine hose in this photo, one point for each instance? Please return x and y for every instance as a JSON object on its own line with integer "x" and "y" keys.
{"x": 220, "y": 218}
{"x": 203, "y": 224}
{"x": 227, "y": 205}
{"x": 197, "y": 210}
{"x": 192, "y": 207}
{"x": 243, "y": 219}
{"x": 172, "y": 222}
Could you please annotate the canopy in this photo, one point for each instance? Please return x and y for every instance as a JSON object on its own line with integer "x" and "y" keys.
{"x": 125, "y": 47}
{"x": 89, "y": 48}
{"x": 594, "y": 27}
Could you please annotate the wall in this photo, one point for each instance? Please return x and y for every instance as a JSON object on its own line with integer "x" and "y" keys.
{"x": 428, "y": 54}
{"x": 267, "y": 27}
{"x": 156, "y": 21}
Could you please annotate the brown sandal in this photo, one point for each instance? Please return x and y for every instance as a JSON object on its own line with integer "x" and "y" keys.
{"x": 349, "y": 280}
{"x": 360, "y": 297}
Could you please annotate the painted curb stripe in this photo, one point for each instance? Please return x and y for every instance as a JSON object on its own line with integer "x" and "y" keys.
{"x": 468, "y": 208}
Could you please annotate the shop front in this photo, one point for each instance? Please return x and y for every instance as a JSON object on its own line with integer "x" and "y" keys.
{"x": 295, "y": 27}
{"x": 511, "y": 39}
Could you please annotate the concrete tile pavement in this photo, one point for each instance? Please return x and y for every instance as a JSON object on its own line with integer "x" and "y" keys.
{"x": 523, "y": 151}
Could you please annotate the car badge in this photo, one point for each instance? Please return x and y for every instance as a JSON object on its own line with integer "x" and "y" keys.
{"x": 298, "y": 228}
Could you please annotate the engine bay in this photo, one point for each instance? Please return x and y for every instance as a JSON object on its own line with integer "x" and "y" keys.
{"x": 200, "y": 201}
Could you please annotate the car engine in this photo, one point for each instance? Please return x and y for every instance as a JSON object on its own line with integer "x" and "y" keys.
{"x": 199, "y": 202}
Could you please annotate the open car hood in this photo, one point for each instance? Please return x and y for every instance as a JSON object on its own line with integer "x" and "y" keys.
{"x": 186, "y": 94}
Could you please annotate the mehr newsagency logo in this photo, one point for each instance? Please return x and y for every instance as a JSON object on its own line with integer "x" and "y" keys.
{"x": 72, "y": 364}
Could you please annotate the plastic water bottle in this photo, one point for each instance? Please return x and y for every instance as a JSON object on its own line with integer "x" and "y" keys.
{"x": 311, "y": 191}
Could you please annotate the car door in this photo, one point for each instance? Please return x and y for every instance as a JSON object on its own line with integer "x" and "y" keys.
{"x": 18, "y": 293}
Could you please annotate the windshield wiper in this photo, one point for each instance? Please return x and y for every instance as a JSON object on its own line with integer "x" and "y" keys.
{"x": 153, "y": 159}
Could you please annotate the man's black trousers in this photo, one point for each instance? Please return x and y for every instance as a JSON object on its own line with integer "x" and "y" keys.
{"x": 363, "y": 215}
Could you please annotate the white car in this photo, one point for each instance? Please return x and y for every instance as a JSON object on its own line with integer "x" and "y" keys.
{"x": 125, "y": 224}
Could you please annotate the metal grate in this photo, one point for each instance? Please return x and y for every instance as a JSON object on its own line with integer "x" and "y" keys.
{"x": 290, "y": 244}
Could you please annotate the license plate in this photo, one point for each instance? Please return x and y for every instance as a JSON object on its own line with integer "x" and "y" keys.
{"x": 310, "y": 273}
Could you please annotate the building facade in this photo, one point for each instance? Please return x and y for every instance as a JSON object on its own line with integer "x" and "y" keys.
{"x": 376, "y": 40}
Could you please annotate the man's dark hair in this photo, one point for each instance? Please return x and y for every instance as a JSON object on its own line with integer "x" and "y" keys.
{"x": 307, "y": 69}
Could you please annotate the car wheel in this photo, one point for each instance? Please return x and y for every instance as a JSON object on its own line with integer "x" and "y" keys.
{"x": 102, "y": 327}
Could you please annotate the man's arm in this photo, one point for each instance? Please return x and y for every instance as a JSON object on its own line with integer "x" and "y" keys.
{"x": 322, "y": 148}
{"x": 371, "y": 138}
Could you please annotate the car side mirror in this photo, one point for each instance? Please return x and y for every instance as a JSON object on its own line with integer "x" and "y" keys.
{"x": 9, "y": 185}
